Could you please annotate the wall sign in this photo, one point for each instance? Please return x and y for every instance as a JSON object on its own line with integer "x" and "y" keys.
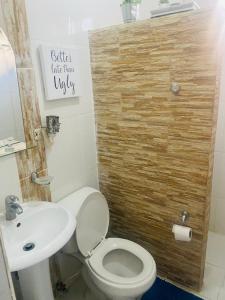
{"x": 60, "y": 72}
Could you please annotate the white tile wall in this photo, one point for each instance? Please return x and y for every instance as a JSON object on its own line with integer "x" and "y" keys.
{"x": 9, "y": 179}
{"x": 60, "y": 23}
{"x": 214, "y": 279}
{"x": 217, "y": 220}
{"x": 72, "y": 158}
{"x": 1, "y": 18}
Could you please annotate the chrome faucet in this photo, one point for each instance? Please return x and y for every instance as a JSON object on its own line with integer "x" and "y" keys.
{"x": 12, "y": 207}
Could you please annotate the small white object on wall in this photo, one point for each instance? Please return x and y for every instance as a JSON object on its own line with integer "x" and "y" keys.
{"x": 60, "y": 72}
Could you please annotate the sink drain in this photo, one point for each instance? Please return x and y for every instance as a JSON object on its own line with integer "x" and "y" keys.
{"x": 29, "y": 247}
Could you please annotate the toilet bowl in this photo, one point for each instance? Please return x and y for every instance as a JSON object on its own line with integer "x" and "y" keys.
{"x": 119, "y": 268}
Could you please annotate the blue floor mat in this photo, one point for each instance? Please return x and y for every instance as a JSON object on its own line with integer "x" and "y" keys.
{"x": 162, "y": 290}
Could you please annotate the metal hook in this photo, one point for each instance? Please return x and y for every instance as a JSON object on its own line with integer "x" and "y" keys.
{"x": 175, "y": 87}
{"x": 184, "y": 216}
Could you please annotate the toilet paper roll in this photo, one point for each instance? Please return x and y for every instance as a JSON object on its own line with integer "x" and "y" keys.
{"x": 182, "y": 233}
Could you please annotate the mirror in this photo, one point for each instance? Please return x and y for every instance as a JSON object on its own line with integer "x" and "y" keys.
{"x": 12, "y": 138}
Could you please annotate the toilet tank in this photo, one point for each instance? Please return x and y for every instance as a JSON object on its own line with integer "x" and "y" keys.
{"x": 73, "y": 203}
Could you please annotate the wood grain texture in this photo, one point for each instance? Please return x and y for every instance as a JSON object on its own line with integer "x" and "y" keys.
{"x": 15, "y": 19}
{"x": 155, "y": 149}
{"x": 34, "y": 158}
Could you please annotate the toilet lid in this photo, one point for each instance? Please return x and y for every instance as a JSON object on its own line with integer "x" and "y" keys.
{"x": 92, "y": 223}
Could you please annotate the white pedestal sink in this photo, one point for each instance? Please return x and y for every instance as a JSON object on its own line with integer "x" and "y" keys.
{"x": 42, "y": 230}
{"x": 35, "y": 282}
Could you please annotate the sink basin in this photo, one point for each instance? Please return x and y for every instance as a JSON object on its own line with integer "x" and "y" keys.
{"x": 39, "y": 232}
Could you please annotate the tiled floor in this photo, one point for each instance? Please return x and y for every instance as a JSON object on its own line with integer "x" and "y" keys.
{"x": 78, "y": 291}
{"x": 214, "y": 281}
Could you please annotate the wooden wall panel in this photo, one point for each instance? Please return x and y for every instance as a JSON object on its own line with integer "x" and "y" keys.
{"x": 155, "y": 149}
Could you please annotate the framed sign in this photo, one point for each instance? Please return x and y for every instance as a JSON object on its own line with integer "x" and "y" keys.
{"x": 60, "y": 72}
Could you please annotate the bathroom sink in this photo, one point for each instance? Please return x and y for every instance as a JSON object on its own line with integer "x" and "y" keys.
{"x": 39, "y": 232}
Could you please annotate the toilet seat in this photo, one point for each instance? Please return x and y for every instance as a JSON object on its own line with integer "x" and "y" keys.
{"x": 95, "y": 262}
{"x": 92, "y": 223}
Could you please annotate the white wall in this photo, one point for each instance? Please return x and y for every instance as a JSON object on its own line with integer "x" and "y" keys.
{"x": 9, "y": 179}
{"x": 217, "y": 222}
{"x": 72, "y": 158}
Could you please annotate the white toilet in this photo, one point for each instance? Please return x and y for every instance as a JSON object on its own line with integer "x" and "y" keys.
{"x": 119, "y": 268}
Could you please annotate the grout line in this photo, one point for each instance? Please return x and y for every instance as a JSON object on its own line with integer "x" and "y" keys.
{"x": 215, "y": 266}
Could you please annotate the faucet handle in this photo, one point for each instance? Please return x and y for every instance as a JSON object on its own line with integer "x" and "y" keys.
{"x": 12, "y": 207}
{"x": 11, "y": 199}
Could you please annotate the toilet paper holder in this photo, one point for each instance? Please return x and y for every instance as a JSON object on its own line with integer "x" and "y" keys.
{"x": 184, "y": 217}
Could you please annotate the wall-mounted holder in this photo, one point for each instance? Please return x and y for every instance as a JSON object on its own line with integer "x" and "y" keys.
{"x": 45, "y": 180}
{"x": 52, "y": 125}
{"x": 175, "y": 88}
{"x": 184, "y": 216}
